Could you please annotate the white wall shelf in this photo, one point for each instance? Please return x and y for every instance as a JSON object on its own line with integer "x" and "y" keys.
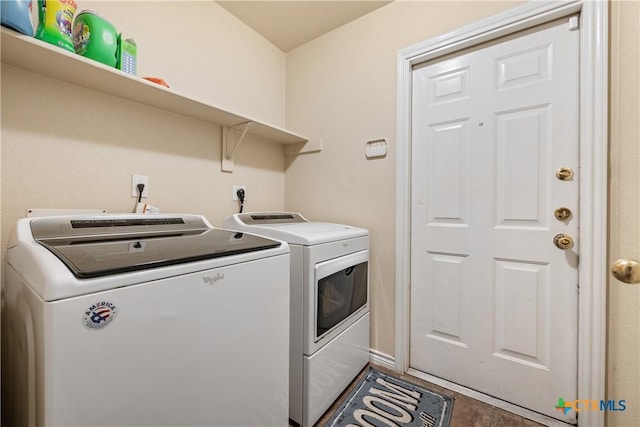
{"x": 42, "y": 58}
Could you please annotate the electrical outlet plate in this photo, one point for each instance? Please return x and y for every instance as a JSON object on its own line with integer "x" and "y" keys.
{"x": 235, "y": 188}
{"x": 139, "y": 179}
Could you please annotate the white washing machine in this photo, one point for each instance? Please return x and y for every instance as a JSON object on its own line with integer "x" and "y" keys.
{"x": 144, "y": 320}
{"x": 329, "y": 305}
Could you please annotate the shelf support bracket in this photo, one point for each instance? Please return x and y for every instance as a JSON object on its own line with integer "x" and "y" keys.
{"x": 228, "y": 147}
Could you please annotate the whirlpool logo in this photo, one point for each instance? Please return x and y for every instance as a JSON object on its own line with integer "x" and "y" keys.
{"x": 211, "y": 279}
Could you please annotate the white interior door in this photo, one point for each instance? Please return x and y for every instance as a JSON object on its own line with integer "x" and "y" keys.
{"x": 493, "y": 300}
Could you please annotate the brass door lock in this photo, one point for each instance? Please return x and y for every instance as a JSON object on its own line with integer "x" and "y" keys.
{"x": 563, "y": 241}
{"x": 564, "y": 174}
{"x": 562, "y": 214}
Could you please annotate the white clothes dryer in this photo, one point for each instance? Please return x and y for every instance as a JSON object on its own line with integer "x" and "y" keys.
{"x": 156, "y": 320}
{"x": 329, "y": 305}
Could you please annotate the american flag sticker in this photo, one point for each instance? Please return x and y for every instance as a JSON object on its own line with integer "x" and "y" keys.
{"x": 99, "y": 315}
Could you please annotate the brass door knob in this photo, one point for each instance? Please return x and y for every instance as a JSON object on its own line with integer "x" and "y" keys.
{"x": 564, "y": 174}
{"x": 626, "y": 270}
{"x": 563, "y": 241}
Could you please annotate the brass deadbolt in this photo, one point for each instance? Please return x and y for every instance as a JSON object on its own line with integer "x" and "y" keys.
{"x": 562, "y": 214}
{"x": 564, "y": 174}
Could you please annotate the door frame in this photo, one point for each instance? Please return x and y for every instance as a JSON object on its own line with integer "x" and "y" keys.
{"x": 593, "y": 271}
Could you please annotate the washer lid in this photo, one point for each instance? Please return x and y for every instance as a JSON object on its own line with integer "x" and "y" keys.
{"x": 292, "y": 228}
{"x": 94, "y": 249}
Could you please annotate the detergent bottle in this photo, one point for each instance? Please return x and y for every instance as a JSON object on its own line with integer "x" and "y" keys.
{"x": 55, "y": 18}
{"x": 16, "y": 14}
{"x": 96, "y": 38}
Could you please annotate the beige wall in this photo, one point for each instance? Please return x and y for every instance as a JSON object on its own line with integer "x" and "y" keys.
{"x": 342, "y": 88}
{"x": 623, "y": 349}
{"x": 68, "y": 147}
{"x": 203, "y": 51}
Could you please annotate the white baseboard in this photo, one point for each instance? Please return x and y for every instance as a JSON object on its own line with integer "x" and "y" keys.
{"x": 381, "y": 359}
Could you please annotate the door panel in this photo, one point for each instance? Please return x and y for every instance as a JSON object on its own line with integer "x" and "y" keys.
{"x": 493, "y": 300}
{"x": 522, "y": 164}
{"x": 521, "y": 312}
{"x": 446, "y": 168}
{"x": 448, "y": 312}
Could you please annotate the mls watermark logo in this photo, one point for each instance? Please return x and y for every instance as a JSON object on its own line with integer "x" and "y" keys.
{"x": 582, "y": 405}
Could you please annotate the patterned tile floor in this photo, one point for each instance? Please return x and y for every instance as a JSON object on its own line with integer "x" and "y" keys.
{"x": 467, "y": 412}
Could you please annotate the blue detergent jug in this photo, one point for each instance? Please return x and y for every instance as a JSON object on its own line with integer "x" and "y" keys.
{"x": 16, "y": 14}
